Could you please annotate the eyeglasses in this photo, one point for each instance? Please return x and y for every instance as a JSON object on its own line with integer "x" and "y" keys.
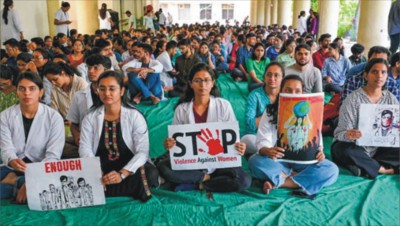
{"x": 200, "y": 81}
{"x": 21, "y": 65}
{"x": 103, "y": 89}
{"x": 30, "y": 88}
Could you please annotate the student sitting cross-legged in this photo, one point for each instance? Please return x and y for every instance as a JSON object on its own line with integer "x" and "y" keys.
{"x": 201, "y": 104}
{"x": 144, "y": 76}
{"x": 118, "y": 134}
{"x": 365, "y": 160}
{"x": 309, "y": 178}
{"x": 29, "y": 132}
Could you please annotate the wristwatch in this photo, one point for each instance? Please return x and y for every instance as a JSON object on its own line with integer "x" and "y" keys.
{"x": 123, "y": 176}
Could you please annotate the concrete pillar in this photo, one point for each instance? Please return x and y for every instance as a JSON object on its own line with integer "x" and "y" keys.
{"x": 285, "y": 12}
{"x": 329, "y": 17}
{"x": 274, "y": 13}
{"x": 87, "y": 22}
{"x": 253, "y": 12}
{"x": 260, "y": 12}
{"x": 52, "y": 8}
{"x": 372, "y": 30}
{"x": 298, "y": 6}
{"x": 267, "y": 18}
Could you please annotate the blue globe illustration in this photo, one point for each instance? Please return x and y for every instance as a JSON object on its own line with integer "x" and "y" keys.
{"x": 301, "y": 109}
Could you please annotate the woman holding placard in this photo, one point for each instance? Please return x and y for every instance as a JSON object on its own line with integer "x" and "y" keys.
{"x": 201, "y": 104}
{"x": 117, "y": 133}
{"x": 309, "y": 178}
{"x": 360, "y": 160}
{"x": 29, "y": 132}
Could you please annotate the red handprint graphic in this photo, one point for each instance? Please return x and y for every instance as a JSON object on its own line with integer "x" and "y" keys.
{"x": 214, "y": 145}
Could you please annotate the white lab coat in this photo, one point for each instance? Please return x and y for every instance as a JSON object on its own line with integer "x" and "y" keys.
{"x": 46, "y": 137}
{"x": 219, "y": 110}
{"x": 165, "y": 60}
{"x": 153, "y": 64}
{"x": 13, "y": 28}
{"x": 62, "y": 16}
{"x": 134, "y": 132}
{"x": 80, "y": 106}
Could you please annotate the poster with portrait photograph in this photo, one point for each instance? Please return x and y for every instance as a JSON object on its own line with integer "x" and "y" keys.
{"x": 299, "y": 126}
{"x": 379, "y": 125}
{"x": 64, "y": 184}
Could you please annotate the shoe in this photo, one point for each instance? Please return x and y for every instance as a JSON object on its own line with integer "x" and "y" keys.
{"x": 354, "y": 170}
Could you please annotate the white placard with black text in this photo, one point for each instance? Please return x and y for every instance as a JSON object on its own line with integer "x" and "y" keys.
{"x": 204, "y": 146}
{"x": 64, "y": 184}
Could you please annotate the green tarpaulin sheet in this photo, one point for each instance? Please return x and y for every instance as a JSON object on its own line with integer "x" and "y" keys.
{"x": 350, "y": 201}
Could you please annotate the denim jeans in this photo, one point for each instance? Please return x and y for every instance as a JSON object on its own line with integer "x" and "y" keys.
{"x": 310, "y": 177}
{"x": 149, "y": 86}
{"x": 331, "y": 87}
{"x": 222, "y": 66}
{"x": 7, "y": 190}
{"x": 222, "y": 180}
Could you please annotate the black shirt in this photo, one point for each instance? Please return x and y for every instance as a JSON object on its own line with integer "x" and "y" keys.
{"x": 109, "y": 158}
{"x": 27, "y": 125}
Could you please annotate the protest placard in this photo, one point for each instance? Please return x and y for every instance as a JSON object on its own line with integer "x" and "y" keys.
{"x": 205, "y": 145}
{"x": 64, "y": 184}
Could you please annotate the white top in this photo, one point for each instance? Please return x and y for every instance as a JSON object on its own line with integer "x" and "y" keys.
{"x": 105, "y": 24}
{"x": 302, "y": 25}
{"x": 219, "y": 110}
{"x": 134, "y": 132}
{"x": 153, "y": 64}
{"x": 125, "y": 55}
{"x": 13, "y": 28}
{"x": 132, "y": 20}
{"x": 80, "y": 106}
{"x": 165, "y": 60}
{"x": 83, "y": 70}
{"x": 162, "y": 19}
{"x": 45, "y": 141}
{"x": 148, "y": 22}
{"x": 62, "y": 16}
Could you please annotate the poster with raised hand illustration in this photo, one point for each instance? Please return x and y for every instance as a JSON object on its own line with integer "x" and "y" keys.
{"x": 299, "y": 126}
{"x": 379, "y": 125}
{"x": 64, "y": 184}
{"x": 204, "y": 146}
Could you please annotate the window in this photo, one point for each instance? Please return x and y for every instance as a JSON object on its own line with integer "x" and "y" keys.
{"x": 163, "y": 6}
{"x": 227, "y": 11}
{"x": 205, "y": 11}
{"x": 184, "y": 11}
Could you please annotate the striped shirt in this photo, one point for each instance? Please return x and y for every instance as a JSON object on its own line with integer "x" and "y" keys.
{"x": 350, "y": 113}
{"x": 355, "y": 82}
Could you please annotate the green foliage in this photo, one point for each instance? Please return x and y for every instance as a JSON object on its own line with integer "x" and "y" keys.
{"x": 7, "y": 101}
{"x": 347, "y": 14}
{"x": 314, "y": 5}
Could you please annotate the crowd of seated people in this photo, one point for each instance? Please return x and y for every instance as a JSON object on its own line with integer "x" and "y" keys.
{"x": 63, "y": 81}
